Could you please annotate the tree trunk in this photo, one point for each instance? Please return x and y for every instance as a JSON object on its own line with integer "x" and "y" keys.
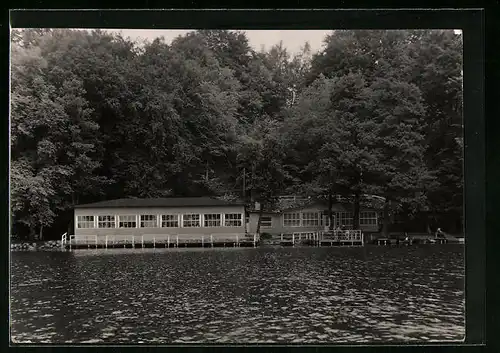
{"x": 40, "y": 235}
{"x": 71, "y": 225}
{"x": 355, "y": 214}
{"x": 244, "y": 184}
{"x": 252, "y": 178}
{"x": 330, "y": 206}
{"x": 386, "y": 220}
{"x": 31, "y": 235}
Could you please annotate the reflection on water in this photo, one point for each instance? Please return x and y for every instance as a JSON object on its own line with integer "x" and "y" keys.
{"x": 242, "y": 295}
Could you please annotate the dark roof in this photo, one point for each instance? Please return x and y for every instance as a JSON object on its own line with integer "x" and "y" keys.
{"x": 162, "y": 202}
{"x": 286, "y": 207}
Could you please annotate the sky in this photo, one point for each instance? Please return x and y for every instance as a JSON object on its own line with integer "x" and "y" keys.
{"x": 293, "y": 40}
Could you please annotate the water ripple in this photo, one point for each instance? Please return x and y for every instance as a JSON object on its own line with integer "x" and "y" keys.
{"x": 289, "y": 295}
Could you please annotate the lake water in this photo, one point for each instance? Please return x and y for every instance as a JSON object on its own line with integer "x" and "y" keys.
{"x": 239, "y": 295}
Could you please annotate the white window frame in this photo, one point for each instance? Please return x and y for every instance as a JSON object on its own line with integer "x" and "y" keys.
{"x": 304, "y": 219}
{"x": 294, "y": 219}
{"x": 230, "y": 221}
{"x": 154, "y": 221}
{"x": 191, "y": 226}
{"x": 107, "y": 221}
{"x": 342, "y": 216}
{"x": 177, "y": 220}
{"x": 87, "y": 222}
{"x": 372, "y": 218}
{"x": 127, "y": 215}
{"x": 213, "y": 221}
{"x": 270, "y": 223}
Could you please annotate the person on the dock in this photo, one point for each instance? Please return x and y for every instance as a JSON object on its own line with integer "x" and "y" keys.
{"x": 440, "y": 233}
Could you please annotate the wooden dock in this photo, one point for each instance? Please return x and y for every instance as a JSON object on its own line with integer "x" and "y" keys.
{"x": 331, "y": 238}
{"x": 426, "y": 239}
{"x": 158, "y": 241}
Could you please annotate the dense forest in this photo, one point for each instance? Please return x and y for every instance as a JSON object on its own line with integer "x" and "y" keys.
{"x": 96, "y": 116}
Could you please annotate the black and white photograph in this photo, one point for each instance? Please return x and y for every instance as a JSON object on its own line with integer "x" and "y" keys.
{"x": 225, "y": 186}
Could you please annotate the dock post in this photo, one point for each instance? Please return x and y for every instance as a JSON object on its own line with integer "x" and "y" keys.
{"x": 106, "y": 241}
{"x": 154, "y": 242}
{"x": 88, "y": 243}
{"x": 237, "y": 241}
{"x": 254, "y": 240}
{"x": 293, "y": 239}
{"x": 202, "y": 241}
{"x": 177, "y": 241}
{"x": 281, "y": 237}
{"x": 168, "y": 242}
{"x": 142, "y": 241}
{"x": 211, "y": 240}
{"x": 133, "y": 242}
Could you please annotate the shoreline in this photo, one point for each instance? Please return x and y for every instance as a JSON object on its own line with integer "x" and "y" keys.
{"x": 48, "y": 245}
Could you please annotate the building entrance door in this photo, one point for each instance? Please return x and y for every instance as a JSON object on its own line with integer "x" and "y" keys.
{"x": 326, "y": 221}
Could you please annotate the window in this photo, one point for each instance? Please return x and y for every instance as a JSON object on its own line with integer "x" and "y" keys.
{"x": 148, "y": 221}
{"x": 310, "y": 219}
{"x": 291, "y": 219}
{"x": 212, "y": 220}
{"x": 367, "y": 218}
{"x": 85, "y": 222}
{"x": 266, "y": 222}
{"x": 233, "y": 220}
{"x": 106, "y": 222}
{"x": 191, "y": 220}
{"x": 170, "y": 221}
{"x": 345, "y": 219}
{"x": 127, "y": 222}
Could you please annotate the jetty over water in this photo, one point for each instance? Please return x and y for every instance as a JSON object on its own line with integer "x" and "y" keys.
{"x": 324, "y": 238}
{"x": 158, "y": 241}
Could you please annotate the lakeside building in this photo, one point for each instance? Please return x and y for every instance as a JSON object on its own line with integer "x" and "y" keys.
{"x": 161, "y": 216}
{"x": 308, "y": 215}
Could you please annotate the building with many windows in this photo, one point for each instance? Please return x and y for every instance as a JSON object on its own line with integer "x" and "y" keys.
{"x": 172, "y": 216}
{"x": 310, "y": 216}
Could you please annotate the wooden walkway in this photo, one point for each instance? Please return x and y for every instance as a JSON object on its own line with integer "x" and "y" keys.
{"x": 158, "y": 241}
{"x": 332, "y": 238}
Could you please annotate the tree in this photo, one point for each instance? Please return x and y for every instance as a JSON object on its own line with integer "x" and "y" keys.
{"x": 310, "y": 127}
{"x": 262, "y": 151}
{"x": 430, "y": 60}
{"x": 35, "y": 118}
{"x": 437, "y": 69}
{"x": 54, "y": 136}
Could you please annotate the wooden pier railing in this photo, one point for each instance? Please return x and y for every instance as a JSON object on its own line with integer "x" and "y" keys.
{"x": 158, "y": 240}
{"x": 339, "y": 237}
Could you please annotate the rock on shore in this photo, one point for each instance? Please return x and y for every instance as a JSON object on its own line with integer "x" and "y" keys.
{"x": 49, "y": 245}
